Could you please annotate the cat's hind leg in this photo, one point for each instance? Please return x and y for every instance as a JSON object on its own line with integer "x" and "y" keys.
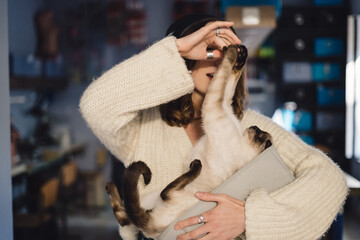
{"x": 138, "y": 215}
{"x": 117, "y": 204}
{"x": 180, "y": 182}
{"x": 127, "y": 230}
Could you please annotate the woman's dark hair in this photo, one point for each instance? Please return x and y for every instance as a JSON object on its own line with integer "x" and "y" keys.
{"x": 180, "y": 112}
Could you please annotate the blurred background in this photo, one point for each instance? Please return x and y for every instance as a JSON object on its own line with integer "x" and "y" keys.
{"x": 301, "y": 73}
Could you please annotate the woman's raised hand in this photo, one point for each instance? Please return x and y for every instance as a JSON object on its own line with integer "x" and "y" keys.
{"x": 195, "y": 45}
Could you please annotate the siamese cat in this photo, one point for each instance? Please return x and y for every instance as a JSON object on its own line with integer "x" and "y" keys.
{"x": 223, "y": 150}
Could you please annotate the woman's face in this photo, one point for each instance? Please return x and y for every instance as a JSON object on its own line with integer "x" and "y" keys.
{"x": 203, "y": 72}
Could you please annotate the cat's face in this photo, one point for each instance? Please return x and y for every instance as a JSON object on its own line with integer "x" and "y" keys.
{"x": 258, "y": 139}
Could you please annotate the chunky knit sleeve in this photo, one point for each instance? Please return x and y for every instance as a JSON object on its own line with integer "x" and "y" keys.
{"x": 303, "y": 209}
{"x": 111, "y": 104}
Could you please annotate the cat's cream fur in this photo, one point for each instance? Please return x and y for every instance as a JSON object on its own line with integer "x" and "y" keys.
{"x": 224, "y": 149}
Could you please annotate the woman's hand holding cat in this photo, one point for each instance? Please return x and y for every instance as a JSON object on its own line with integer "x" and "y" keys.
{"x": 195, "y": 45}
{"x": 223, "y": 222}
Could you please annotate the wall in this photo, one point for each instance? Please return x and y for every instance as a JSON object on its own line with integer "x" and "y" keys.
{"x": 22, "y": 41}
{"x": 64, "y": 108}
{"x": 21, "y": 24}
{"x": 355, "y": 6}
{"x": 5, "y": 162}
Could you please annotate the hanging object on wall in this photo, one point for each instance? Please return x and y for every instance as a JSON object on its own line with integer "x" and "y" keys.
{"x": 126, "y": 21}
{"x": 136, "y": 23}
{"x": 116, "y": 23}
{"x": 46, "y": 61}
{"x": 46, "y": 35}
{"x": 15, "y": 137}
{"x": 184, "y": 7}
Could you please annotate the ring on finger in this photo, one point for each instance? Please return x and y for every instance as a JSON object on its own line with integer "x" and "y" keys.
{"x": 210, "y": 54}
{"x": 201, "y": 219}
{"x": 217, "y": 31}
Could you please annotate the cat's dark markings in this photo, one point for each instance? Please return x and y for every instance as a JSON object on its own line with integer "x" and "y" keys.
{"x": 234, "y": 147}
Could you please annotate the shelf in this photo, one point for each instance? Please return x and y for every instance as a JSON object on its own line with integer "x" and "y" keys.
{"x": 309, "y": 57}
{"x": 252, "y": 24}
{"x": 301, "y": 38}
{"x": 336, "y": 83}
{"x": 311, "y": 32}
{"x": 35, "y": 166}
{"x": 331, "y": 108}
{"x": 38, "y": 83}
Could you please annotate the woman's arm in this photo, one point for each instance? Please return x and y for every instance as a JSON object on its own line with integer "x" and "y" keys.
{"x": 303, "y": 209}
{"x": 111, "y": 104}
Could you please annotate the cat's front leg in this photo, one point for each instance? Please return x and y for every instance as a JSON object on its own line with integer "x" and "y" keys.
{"x": 182, "y": 181}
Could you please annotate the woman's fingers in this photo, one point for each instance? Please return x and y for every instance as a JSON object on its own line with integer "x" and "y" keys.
{"x": 188, "y": 222}
{"x": 216, "y": 54}
{"x": 223, "y": 222}
{"x": 222, "y": 37}
{"x": 217, "y": 197}
{"x": 220, "y": 43}
{"x": 229, "y": 35}
{"x": 226, "y": 41}
{"x": 221, "y": 29}
{"x": 212, "y": 197}
{"x": 208, "y": 197}
{"x": 215, "y": 35}
{"x": 202, "y": 230}
{"x": 195, "y": 233}
{"x": 208, "y": 237}
{"x": 218, "y": 24}
{"x": 224, "y": 30}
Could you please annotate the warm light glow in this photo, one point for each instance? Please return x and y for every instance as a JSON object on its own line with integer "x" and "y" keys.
{"x": 251, "y": 16}
{"x": 350, "y": 82}
{"x": 357, "y": 128}
{"x": 357, "y": 94}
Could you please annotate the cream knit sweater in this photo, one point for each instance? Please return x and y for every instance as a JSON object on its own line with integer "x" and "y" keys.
{"x": 121, "y": 108}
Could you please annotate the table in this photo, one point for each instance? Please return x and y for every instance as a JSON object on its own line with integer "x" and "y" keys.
{"x": 353, "y": 184}
{"x": 28, "y": 176}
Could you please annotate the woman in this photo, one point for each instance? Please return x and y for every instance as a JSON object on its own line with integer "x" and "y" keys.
{"x": 149, "y": 108}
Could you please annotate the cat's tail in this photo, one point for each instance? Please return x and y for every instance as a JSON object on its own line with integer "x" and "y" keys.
{"x": 138, "y": 215}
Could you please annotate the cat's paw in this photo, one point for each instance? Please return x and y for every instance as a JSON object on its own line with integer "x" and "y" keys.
{"x": 230, "y": 53}
{"x": 242, "y": 55}
{"x": 237, "y": 55}
{"x": 195, "y": 165}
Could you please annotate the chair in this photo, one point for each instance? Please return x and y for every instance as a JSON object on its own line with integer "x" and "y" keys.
{"x": 93, "y": 182}
{"x": 68, "y": 192}
{"x": 68, "y": 175}
{"x": 42, "y": 223}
